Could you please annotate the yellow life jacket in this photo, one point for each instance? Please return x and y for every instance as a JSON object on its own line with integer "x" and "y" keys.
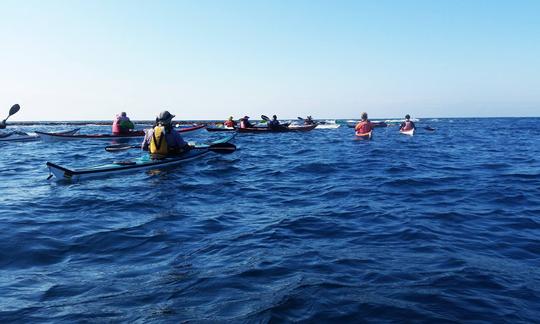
{"x": 158, "y": 143}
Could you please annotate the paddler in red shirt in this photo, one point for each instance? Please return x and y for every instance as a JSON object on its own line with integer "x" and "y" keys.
{"x": 230, "y": 123}
{"x": 407, "y": 124}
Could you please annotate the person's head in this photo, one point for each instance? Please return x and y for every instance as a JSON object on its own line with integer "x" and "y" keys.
{"x": 230, "y": 118}
{"x": 407, "y": 116}
{"x": 274, "y": 117}
{"x": 246, "y": 117}
{"x": 364, "y": 116}
{"x": 123, "y": 114}
{"x": 164, "y": 118}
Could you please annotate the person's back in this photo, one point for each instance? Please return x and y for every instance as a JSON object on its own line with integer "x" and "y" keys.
{"x": 407, "y": 124}
{"x": 364, "y": 126}
{"x": 163, "y": 140}
{"x": 122, "y": 124}
{"x": 230, "y": 123}
{"x": 274, "y": 123}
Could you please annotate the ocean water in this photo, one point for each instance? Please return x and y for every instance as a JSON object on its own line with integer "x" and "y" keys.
{"x": 315, "y": 227}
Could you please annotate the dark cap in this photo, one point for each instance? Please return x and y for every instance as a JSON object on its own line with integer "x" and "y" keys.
{"x": 407, "y": 116}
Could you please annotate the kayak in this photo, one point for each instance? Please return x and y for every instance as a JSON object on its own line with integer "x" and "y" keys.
{"x": 290, "y": 128}
{"x": 139, "y": 164}
{"x": 364, "y": 136}
{"x": 220, "y": 129}
{"x": 327, "y": 125}
{"x": 352, "y": 124}
{"x": 49, "y": 137}
{"x": 24, "y": 137}
{"x": 409, "y": 132}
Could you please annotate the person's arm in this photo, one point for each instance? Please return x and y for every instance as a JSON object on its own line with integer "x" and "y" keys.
{"x": 146, "y": 140}
{"x": 413, "y": 125}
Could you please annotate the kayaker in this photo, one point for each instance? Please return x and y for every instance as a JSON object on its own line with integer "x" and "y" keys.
{"x": 163, "y": 140}
{"x": 308, "y": 121}
{"x": 122, "y": 124}
{"x": 274, "y": 123}
{"x": 364, "y": 126}
{"x": 230, "y": 123}
{"x": 407, "y": 124}
{"x": 244, "y": 122}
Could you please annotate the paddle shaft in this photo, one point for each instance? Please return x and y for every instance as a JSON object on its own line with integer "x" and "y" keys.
{"x": 218, "y": 148}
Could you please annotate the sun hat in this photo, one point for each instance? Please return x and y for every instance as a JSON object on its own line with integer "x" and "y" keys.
{"x": 165, "y": 116}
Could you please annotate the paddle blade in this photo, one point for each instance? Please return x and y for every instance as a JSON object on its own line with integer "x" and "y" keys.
{"x": 223, "y": 148}
{"x": 13, "y": 110}
{"x": 265, "y": 117}
{"x": 120, "y": 147}
{"x": 300, "y": 118}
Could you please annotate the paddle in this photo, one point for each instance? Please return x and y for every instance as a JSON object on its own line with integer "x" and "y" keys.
{"x": 265, "y": 118}
{"x": 12, "y": 111}
{"x": 223, "y": 148}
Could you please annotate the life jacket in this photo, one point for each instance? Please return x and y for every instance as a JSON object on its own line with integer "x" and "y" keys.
{"x": 158, "y": 142}
{"x": 408, "y": 125}
{"x": 229, "y": 123}
{"x": 116, "y": 126}
{"x": 363, "y": 127}
{"x": 244, "y": 123}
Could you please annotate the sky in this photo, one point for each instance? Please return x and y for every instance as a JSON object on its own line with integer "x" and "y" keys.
{"x": 199, "y": 59}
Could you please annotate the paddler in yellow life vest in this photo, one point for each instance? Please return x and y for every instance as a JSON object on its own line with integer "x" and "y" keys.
{"x": 163, "y": 140}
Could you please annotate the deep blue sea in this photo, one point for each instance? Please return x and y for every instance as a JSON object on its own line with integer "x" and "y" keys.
{"x": 313, "y": 227}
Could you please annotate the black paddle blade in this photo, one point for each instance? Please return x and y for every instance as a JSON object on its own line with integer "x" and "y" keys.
{"x": 300, "y": 118}
{"x": 223, "y": 148}
{"x": 265, "y": 117}
{"x": 120, "y": 147}
{"x": 13, "y": 110}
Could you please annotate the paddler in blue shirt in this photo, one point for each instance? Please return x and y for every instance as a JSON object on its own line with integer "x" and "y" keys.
{"x": 163, "y": 140}
{"x": 407, "y": 124}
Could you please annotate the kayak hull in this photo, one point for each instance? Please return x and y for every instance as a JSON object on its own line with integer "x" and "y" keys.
{"x": 220, "y": 129}
{"x": 364, "y": 136}
{"x": 23, "y": 137}
{"x": 50, "y": 137}
{"x": 409, "y": 132}
{"x": 292, "y": 128}
{"x": 141, "y": 164}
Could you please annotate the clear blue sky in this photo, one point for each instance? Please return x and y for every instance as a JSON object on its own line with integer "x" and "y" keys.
{"x": 79, "y": 60}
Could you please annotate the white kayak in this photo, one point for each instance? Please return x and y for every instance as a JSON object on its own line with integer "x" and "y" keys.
{"x": 25, "y": 137}
{"x": 409, "y": 132}
{"x": 139, "y": 164}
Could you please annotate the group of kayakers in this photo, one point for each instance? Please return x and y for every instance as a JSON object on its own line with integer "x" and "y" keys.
{"x": 365, "y": 126}
{"x": 163, "y": 140}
